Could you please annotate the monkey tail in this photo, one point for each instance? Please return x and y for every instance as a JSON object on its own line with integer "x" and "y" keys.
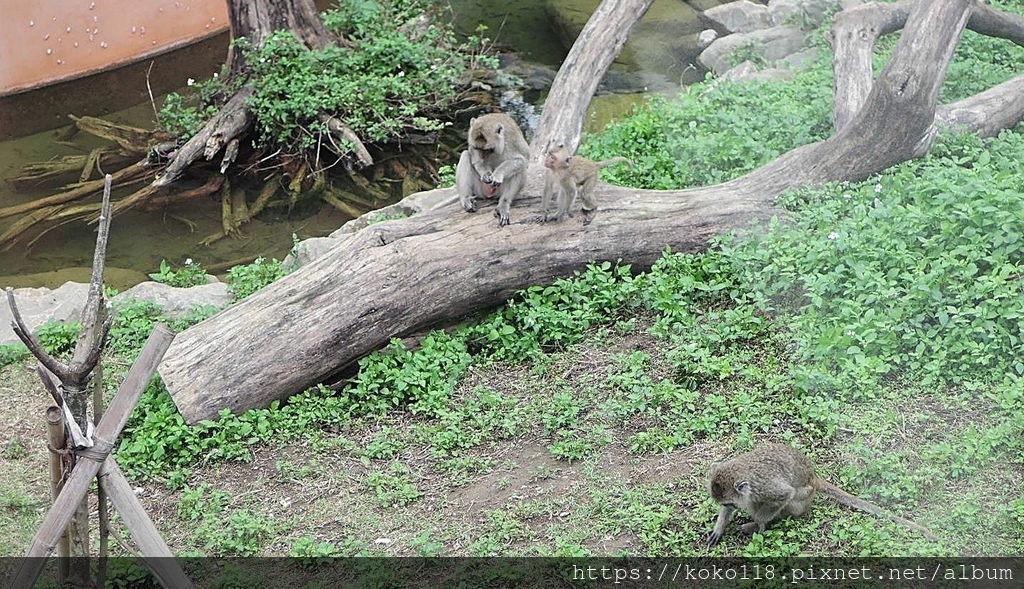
{"x": 613, "y": 161}
{"x": 855, "y": 502}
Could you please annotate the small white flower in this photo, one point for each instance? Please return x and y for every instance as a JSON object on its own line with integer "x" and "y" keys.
{"x": 693, "y": 124}
{"x": 190, "y": 82}
{"x": 215, "y": 75}
{"x": 401, "y": 74}
{"x": 847, "y": 195}
{"x": 878, "y": 188}
{"x": 188, "y": 261}
{"x": 833, "y": 235}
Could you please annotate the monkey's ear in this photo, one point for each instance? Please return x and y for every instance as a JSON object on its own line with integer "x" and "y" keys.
{"x": 741, "y": 486}
{"x": 498, "y": 129}
{"x": 472, "y": 121}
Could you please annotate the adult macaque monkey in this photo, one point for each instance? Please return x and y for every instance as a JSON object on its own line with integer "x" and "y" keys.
{"x": 493, "y": 165}
{"x": 571, "y": 175}
{"x": 777, "y": 481}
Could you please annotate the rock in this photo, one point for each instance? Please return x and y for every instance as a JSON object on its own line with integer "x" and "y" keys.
{"x": 768, "y": 45}
{"x": 804, "y": 13}
{"x": 663, "y": 42}
{"x": 741, "y": 71}
{"x": 770, "y": 74}
{"x": 308, "y": 250}
{"x": 702, "y": 5}
{"x": 740, "y": 16}
{"x": 705, "y": 38}
{"x": 177, "y": 302}
{"x": 40, "y": 305}
{"x": 800, "y": 60}
{"x": 114, "y": 277}
{"x": 65, "y": 303}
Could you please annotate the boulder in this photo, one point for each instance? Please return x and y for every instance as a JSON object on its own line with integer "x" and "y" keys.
{"x": 805, "y": 13}
{"x": 40, "y": 305}
{"x": 664, "y": 42}
{"x": 800, "y": 60}
{"x": 740, "y": 16}
{"x": 177, "y": 302}
{"x": 64, "y": 303}
{"x": 768, "y": 45}
{"x": 750, "y": 72}
{"x": 706, "y": 37}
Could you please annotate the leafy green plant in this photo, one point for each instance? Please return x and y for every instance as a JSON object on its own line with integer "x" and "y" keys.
{"x": 715, "y": 131}
{"x": 241, "y": 533}
{"x": 15, "y": 448}
{"x": 312, "y": 552}
{"x": 59, "y": 338}
{"x": 749, "y": 51}
{"x": 393, "y": 487}
{"x": 397, "y": 73}
{"x": 556, "y": 316}
{"x": 913, "y": 269}
{"x": 133, "y": 323}
{"x": 190, "y": 274}
{"x": 421, "y": 380}
{"x": 425, "y": 547}
{"x": 184, "y": 115}
{"x": 10, "y": 354}
{"x": 246, "y": 279}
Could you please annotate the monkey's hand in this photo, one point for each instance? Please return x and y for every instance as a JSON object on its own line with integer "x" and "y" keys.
{"x": 714, "y": 538}
{"x": 502, "y": 216}
{"x": 490, "y": 178}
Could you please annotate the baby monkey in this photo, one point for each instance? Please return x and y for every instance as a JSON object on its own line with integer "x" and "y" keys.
{"x": 571, "y": 176}
{"x": 776, "y": 481}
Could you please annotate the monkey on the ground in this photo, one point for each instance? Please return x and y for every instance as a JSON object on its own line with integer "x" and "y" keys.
{"x": 776, "y": 481}
{"x": 571, "y": 175}
{"x": 494, "y": 164}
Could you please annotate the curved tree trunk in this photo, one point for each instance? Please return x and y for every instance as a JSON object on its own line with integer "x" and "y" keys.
{"x": 394, "y": 278}
{"x": 599, "y": 43}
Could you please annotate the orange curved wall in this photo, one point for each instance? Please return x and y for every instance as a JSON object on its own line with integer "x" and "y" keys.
{"x": 48, "y": 41}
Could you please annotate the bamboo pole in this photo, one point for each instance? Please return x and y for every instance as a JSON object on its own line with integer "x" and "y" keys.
{"x": 159, "y": 558}
{"x": 57, "y": 445}
{"x": 107, "y": 430}
{"x": 101, "y": 492}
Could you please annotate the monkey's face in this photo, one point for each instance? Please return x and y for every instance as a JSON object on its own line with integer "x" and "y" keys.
{"x": 557, "y": 159}
{"x": 486, "y": 138}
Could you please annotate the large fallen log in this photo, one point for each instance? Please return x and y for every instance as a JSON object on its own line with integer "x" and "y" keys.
{"x": 402, "y": 276}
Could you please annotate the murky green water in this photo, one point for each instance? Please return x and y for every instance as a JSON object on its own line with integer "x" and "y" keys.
{"x": 138, "y": 241}
{"x": 521, "y": 24}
